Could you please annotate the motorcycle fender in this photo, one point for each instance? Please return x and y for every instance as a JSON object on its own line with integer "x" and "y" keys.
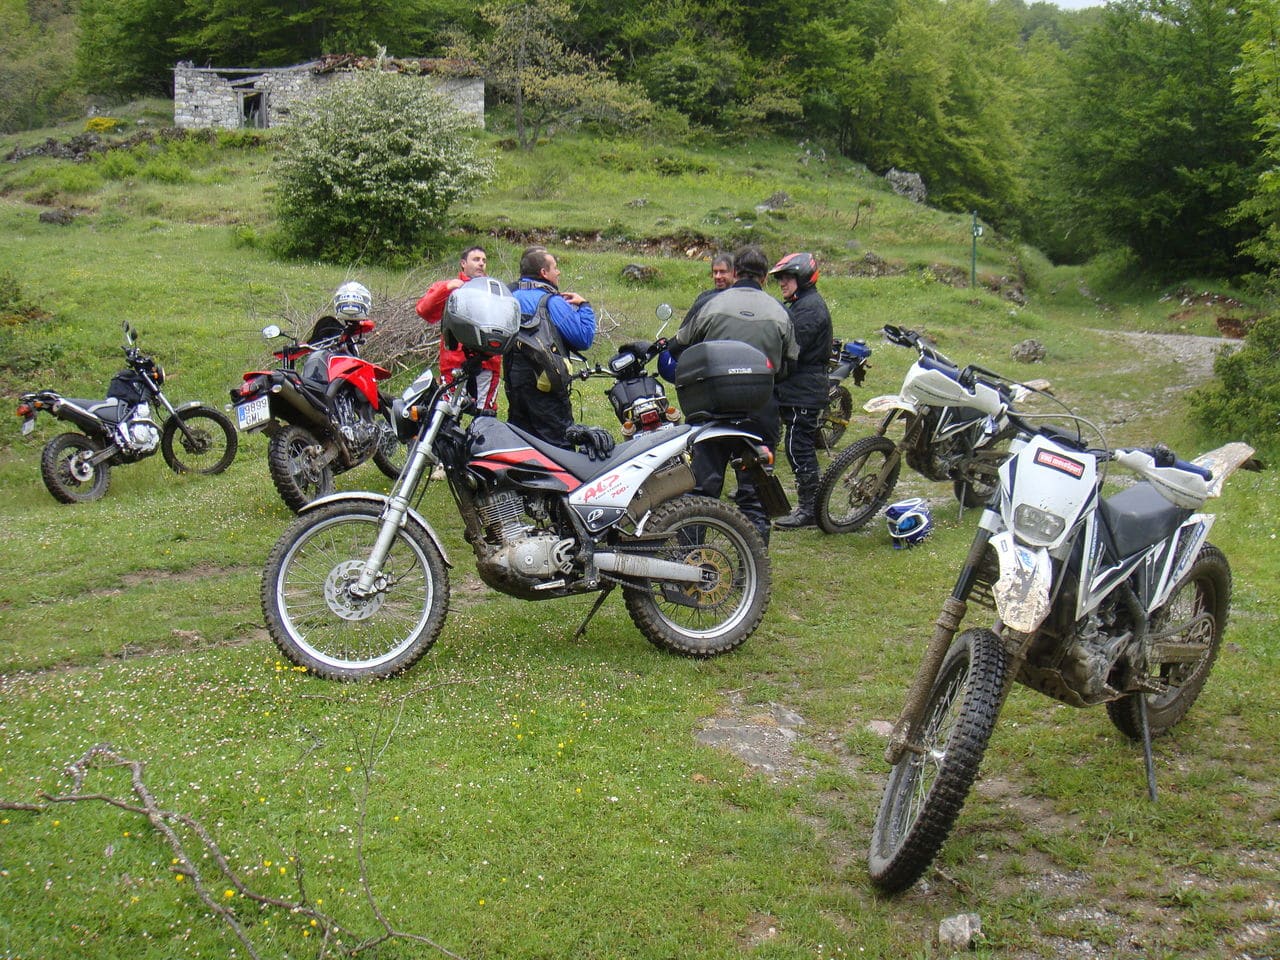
{"x": 189, "y": 405}
{"x": 411, "y": 516}
{"x": 889, "y": 402}
{"x": 1022, "y": 590}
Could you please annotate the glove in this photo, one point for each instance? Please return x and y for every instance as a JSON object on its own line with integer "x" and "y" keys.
{"x": 596, "y": 442}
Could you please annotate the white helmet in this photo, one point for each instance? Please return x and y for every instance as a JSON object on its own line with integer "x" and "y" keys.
{"x": 352, "y": 301}
{"x": 909, "y": 522}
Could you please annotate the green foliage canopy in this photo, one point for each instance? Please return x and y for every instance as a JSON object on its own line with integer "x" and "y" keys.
{"x": 370, "y": 169}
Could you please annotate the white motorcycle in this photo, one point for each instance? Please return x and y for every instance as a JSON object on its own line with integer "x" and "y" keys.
{"x": 1116, "y": 600}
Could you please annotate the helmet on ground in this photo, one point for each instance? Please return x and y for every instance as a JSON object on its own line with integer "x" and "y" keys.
{"x": 352, "y": 301}
{"x": 909, "y": 522}
{"x": 802, "y": 266}
{"x": 481, "y": 315}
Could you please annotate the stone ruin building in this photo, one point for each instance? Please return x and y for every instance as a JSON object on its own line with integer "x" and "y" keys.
{"x": 231, "y": 98}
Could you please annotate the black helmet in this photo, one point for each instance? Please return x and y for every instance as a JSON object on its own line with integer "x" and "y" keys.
{"x": 802, "y": 266}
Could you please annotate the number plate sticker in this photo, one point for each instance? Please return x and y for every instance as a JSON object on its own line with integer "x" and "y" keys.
{"x": 253, "y": 414}
{"x": 28, "y": 425}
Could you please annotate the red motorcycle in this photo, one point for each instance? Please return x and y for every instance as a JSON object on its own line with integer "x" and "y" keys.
{"x": 322, "y": 409}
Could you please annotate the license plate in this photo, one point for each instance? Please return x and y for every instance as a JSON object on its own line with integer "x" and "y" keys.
{"x": 28, "y": 425}
{"x": 253, "y": 414}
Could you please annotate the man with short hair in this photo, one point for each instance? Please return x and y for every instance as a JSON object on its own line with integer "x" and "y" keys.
{"x": 534, "y": 403}
{"x": 742, "y": 312}
{"x": 722, "y": 277}
{"x": 483, "y": 386}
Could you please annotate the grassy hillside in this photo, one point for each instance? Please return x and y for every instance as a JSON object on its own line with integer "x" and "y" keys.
{"x": 519, "y": 793}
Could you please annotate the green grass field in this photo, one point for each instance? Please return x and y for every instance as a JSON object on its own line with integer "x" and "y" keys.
{"x": 519, "y": 793}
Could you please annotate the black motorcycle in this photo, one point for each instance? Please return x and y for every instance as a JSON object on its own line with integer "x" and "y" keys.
{"x": 133, "y": 422}
{"x": 637, "y": 397}
{"x": 849, "y": 358}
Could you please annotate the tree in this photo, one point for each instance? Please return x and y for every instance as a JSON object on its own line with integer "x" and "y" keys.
{"x": 370, "y": 169}
{"x": 1257, "y": 86}
{"x": 528, "y": 64}
{"x": 1154, "y": 150}
{"x": 37, "y": 64}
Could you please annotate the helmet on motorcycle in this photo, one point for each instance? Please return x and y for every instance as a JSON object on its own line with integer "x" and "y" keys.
{"x": 481, "y": 315}
{"x": 909, "y": 522}
{"x": 667, "y": 366}
{"x": 352, "y": 301}
{"x": 802, "y": 266}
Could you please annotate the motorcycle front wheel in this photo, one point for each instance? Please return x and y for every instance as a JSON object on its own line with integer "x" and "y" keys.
{"x": 835, "y": 417}
{"x": 318, "y": 620}
{"x": 719, "y": 613}
{"x": 291, "y": 463}
{"x": 1190, "y": 623}
{"x": 210, "y": 447}
{"x": 851, "y": 491}
{"x": 67, "y": 473}
{"x": 928, "y": 786}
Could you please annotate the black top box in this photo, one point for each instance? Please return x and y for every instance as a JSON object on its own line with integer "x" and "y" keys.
{"x": 722, "y": 379}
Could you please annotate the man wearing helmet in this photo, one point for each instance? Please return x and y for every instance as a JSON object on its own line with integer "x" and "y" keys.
{"x": 483, "y": 387}
{"x": 746, "y": 313}
{"x": 803, "y": 395}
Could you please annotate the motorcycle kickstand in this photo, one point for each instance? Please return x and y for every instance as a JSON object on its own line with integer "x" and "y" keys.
{"x": 1146, "y": 747}
{"x": 604, "y": 594}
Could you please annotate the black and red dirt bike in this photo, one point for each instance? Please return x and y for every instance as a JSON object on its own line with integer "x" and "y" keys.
{"x": 132, "y": 423}
{"x": 638, "y": 398}
{"x": 358, "y": 587}
{"x": 321, "y": 408}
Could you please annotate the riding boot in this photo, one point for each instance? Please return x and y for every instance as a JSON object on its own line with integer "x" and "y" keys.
{"x": 803, "y": 515}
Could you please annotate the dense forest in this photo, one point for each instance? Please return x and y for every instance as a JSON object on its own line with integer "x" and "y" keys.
{"x": 1148, "y": 126}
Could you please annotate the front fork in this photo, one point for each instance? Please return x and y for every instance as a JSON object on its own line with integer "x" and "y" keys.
{"x": 907, "y": 730}
{"x": 421, "y": 461}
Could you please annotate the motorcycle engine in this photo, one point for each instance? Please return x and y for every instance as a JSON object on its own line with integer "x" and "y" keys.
{"x": 522, "y": 548}
{"x": 138, "y": 434}
{"x": 360, "y": 432}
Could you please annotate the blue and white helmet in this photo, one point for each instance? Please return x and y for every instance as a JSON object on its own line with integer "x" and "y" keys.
{"x": 352, "y": 301}
{"x": 909, "y": 522}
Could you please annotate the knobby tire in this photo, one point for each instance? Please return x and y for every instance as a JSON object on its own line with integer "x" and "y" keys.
{"x": 926, "y": 789}
{"x": 848, "y": 493}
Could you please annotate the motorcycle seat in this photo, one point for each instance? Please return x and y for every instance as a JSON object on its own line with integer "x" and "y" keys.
{"x": 1138, "y": 517}
{"x": 108, "y": 411}
{"x": 584, "y": 468}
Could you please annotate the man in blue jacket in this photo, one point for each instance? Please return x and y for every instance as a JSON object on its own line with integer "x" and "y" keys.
{"x": 536, "y": 403}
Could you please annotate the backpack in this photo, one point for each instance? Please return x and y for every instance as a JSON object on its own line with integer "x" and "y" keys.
{"x": 541, "y": 344}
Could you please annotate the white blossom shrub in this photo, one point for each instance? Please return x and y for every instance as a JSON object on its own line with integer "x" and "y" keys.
{"x": 370, "y": 168}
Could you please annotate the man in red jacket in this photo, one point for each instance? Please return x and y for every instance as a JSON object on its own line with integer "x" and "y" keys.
{"x": 484, "y": 386}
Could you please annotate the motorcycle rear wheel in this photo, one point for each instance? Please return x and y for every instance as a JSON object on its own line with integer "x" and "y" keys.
{"x": 318, "y": 623}
{"x": 210, "y": 448}
{"x": 718, "y": 615}
{"x": 391, "y": 455}
{"x": 65, "y": 472}
{"x": 296, "y": 478}
{"x": 834, "y": 419}
{"x": 850, "y": 492}
{"x": 926, "y": 789}
{"x": 1203, "y": 596}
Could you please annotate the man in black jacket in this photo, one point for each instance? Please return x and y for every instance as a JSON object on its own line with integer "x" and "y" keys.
{"x": 746, "y": 313}
{"x": 802, "y": 396}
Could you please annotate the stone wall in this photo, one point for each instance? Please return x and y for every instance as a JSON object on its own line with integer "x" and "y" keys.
{"x": 233, "y": 98}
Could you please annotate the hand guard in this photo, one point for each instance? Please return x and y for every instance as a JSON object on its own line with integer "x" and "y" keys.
{"x": 638, "y": 348}
{"x": 595, "y": 442}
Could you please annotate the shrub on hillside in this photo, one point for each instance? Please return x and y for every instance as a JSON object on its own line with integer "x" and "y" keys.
{"x": 369, "y": 169}
{"x": 1244, "y": 402}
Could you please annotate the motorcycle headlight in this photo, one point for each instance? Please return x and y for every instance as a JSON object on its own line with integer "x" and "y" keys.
{"x": 1037, "y": 526}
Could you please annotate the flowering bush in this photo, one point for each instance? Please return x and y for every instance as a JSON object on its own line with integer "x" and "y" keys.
{"x": 370, "y": 168}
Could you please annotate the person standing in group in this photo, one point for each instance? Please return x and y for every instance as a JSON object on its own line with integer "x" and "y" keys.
{"x": 553, "y": 323}
{"x": 722, "y": 277}
{"x": 742, "y": 312}
{"x": 483, "y": 386}
{"x": 804, "y": 394}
